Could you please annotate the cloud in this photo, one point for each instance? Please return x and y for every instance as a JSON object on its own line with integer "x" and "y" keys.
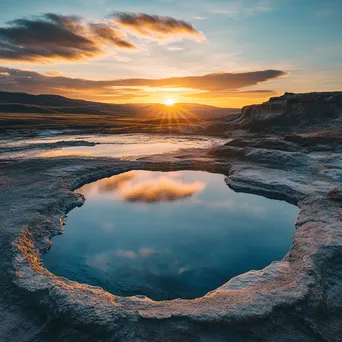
{"x": 49, "y": 37}
{"x": 105, "y": 260}
{"x": 111, "y": 36}
{"x": 235, "y": 94}
{"x": 53, "y": 36}
{"x": 106, "y": 185}
{"x": 208, "y": 86}
{"x": 174, "y": 48}
{"x": 17, "y": 80}
{"x": 142, "y": 186}
{"x": 53, "y": 73}
{"x": 160, "y": 190}
{"x": 234, "y": 206}
{"x": 126, "y": 254}
{"x": 117, "y": 182}
{"x": 213, "y": 82}
{"x": 147, "y": 252}
{"x": 155, "y": 27}
{"x": 243, "y": 8}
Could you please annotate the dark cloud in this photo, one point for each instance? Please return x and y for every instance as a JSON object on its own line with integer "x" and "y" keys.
{"x": 227, "y": 85}
{"x": 55, "y": 36}
{"x": 111, "y": 36}
{"x": 156, "y": 27}
{"x": 212, "y": 82}
{"x": 235, "y": 94}
{"x": 16, "y": 80}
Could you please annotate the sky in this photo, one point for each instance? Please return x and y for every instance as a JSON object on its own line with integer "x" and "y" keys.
{"x": 227, "y": 53}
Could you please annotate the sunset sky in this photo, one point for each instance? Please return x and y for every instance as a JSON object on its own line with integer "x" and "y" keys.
{"x": 227, "y": 53}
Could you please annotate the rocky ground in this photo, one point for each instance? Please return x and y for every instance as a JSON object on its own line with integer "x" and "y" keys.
{"x": 295, "y": 299}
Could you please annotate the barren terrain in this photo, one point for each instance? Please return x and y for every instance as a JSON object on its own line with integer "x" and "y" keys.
{"x": 295, "y": 299}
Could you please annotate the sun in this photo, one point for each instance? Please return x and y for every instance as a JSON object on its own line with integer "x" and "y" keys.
{"x": 169, "y": 102}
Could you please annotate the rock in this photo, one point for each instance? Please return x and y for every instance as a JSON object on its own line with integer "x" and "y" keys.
{"x": 327, "y": 140}
{"x": 303, "y": 111}
{"x": 336, "y": 194}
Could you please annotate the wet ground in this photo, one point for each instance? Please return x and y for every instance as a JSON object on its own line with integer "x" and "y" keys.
{"x": 57, "y": 143}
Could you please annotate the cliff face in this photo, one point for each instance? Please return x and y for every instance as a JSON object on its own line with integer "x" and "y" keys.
{"x": 303, "y": 111}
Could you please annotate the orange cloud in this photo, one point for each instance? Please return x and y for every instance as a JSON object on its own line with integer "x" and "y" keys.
{"x": 53, "y": 73}
{"x": 218, "y": 87}
{"x": 156, "y": 27}
{"x": 235, "y": 94}
{"x": 28, "y": 81}
{"x": 134, "y": 186}
{"x": 214, "y": 82}
{"x": 117, "y": 182}
{"x": 111, "y": 36}
{"x": 160, "y": 190}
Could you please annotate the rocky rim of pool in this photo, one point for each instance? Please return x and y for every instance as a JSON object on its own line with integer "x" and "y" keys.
{"x": 152, "y": 233}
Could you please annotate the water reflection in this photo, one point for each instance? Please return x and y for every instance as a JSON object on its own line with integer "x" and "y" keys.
{"x": 113, "y": 150}
{"x": 119, "y": 147}
{"x": 112, "y": 184}
{"x": 169, "y": 235}
{"x": 143, "y": 186}
{"x": 115, "y": 145}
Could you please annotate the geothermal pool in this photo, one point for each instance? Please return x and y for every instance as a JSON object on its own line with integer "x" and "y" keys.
{"x": 169, "y": 235}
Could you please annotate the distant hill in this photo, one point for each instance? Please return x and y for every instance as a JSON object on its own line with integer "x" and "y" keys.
{"x": 21, "y": 111}
{"x": 50, "y": 104}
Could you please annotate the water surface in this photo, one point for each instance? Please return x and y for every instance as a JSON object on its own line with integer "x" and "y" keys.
{"x": 111, "y": 145}
{"x": 169, "y": 235}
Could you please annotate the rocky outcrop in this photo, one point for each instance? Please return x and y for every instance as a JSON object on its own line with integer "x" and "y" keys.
{"x": 300, "y": 111}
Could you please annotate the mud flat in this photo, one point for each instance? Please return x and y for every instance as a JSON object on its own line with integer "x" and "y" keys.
{"x": 295, "y": 299}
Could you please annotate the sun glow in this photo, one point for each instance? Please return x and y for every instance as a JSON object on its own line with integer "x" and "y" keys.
{"x": 169, "y": 102}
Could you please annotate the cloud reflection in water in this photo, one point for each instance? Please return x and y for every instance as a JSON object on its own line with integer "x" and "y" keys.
{"x": 143, "y": 186}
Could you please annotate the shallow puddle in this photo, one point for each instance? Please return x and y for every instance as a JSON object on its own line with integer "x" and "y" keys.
{"x": 124, "y": 150}
{"x": 133, "y": 146}
{"x": 115, "y": 146}
{"x": 169, "y": 235}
